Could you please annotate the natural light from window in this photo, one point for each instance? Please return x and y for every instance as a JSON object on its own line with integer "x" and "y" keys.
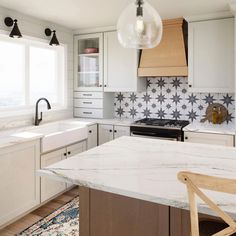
{"x": 30, "y": 70}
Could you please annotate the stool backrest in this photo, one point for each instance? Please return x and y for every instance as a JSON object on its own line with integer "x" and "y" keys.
{"x": 194, "y": 183}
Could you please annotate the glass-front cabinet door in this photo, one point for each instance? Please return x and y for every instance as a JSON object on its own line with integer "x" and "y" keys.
{"x": 88, "y": 62}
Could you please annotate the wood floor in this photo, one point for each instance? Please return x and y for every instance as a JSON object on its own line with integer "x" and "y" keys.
{"x": 39, "y": 213}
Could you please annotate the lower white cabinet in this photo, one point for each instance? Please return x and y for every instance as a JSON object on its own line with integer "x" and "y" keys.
{"x": 207, "y": 138}
{"x": 120, "y": 131}
{"x": 19, "y": 185}
{"x": 50, "y": 188}
{"x": 105, "y": 133}
{"x": 110, "y": 132}
{"x": 92, "y": 136}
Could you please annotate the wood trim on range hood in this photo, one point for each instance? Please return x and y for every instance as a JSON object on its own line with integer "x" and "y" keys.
{"x": 169, "y": 58}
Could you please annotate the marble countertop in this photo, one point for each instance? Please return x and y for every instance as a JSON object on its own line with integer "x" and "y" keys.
{"x": 147, "y": 169}
{"x": 211, "y": 128}
{"x": 115, "y": 121}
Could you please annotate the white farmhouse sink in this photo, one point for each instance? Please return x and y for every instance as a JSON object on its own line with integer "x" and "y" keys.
{"x": 61, "y": 134}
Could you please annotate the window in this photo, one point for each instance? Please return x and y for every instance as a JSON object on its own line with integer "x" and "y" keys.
{"x": 30, "y": 70}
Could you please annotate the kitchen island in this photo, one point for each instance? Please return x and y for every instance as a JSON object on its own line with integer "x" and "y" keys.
{"x": 129, "y": 186}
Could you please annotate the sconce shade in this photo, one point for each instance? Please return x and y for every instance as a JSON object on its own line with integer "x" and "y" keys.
{"x": 15, "y": 33}
{"x": 54, "y": 41}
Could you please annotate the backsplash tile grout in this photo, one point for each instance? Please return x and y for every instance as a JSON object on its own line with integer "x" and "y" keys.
{"x": 168, "y": 98}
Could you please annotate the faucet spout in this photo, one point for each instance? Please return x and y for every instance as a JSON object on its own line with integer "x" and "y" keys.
{"x": 37, "y": 119}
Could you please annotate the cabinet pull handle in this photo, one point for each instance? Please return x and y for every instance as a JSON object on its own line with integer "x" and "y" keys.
{"x": 115, "y": 131}
{"x": 90, "y": 131}
{"x": 186, "y": 138}
{"x": 69, "y": 153}
{"x": 100, "y": 85}
{"x": 87, "y": 113}
{"x": 110, "y": 130}
{"x": 190, "y": 86}
{"x": 86, "y": 94}
{"x": 87, "y": 103}
{"x": 105, "y": 85}
{"x": 64, "y": 154}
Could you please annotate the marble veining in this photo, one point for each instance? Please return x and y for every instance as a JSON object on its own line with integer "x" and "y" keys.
{"x": 147, "y": 169}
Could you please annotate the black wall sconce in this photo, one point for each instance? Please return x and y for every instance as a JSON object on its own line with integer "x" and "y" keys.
{"x": 15, "y": 33}
{"x": 54, "y": 41}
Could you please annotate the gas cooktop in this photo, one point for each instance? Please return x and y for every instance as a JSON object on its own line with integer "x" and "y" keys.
{"x": 166, "y": 123}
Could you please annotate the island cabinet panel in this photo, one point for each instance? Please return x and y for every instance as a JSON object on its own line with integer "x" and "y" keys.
{"x": 179, "y": 222}
{"x": 109, "y": 214}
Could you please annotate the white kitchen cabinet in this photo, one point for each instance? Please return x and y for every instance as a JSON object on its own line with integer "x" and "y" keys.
{"x": 120, "y": 131}
{"x": 73, "y": 150}
{"x": 211, "y": 56}
{"x": 207, "y": 138}
{"x": 76, "y": 149}
{"x": 19, "y": 185}
{"x": 92, "y": 136}
{"x": 120, "y": 66}
{"x": 88, "y": 67}
{"x": 50, "y": 188}
{"x": 107, "y": 133}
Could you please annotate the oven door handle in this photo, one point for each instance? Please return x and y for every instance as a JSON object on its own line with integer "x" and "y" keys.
{"x": 143, "y": 134}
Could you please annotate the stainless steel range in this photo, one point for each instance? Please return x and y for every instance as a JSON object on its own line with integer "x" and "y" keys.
{"x": 161, "y": 129}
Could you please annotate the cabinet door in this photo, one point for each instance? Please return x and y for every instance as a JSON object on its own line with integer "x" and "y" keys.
{"x": 88, "y": 66}
{"x": 105, "y": 133}
{"x": 205, "y": 138}
{"x": 73, "y": 150}
{"x": 120, "y": 131}
{"x": 120, "y": 66}
{"x": 19, "y": 185}
{"x": 211, "y": 56}
{"x": 76, "y": 148}
{"x": 92, "y": 136}
{"x": 50, "y": 188}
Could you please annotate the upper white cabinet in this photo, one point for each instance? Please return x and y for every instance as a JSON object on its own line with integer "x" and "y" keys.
{"x": 120, "y": 66}
{"x": 88, "y": 61}
{"x": 211, "y": 56}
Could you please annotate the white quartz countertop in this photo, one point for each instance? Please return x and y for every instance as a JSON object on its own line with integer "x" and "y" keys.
{"x": 211, "y": 128}
{"x": 115, "y": 121}
{"x": 147, "y": 169}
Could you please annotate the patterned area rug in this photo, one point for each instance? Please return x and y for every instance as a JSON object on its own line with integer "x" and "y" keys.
{"x": 62, "y": 222}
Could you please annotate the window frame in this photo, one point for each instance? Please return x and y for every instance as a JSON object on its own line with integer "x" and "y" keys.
{"x": 28, "y": 41}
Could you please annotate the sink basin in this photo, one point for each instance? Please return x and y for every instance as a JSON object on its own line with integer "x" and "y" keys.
{"x": 58, "y": 135}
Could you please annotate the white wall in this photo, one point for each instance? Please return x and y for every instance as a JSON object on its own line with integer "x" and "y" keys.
{"x": 33, "y": 27}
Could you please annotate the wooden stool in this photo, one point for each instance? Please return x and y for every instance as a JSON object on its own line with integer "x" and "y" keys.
{"x": 208, "y": 228}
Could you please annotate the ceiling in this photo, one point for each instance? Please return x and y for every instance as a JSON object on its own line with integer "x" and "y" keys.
{"x": 78, "y": 14}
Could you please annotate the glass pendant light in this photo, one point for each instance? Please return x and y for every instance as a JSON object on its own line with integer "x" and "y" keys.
{"x": 139, "y": 26}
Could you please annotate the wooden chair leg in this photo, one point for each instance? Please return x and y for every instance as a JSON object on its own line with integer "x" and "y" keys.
{"x": 193, "y": 212}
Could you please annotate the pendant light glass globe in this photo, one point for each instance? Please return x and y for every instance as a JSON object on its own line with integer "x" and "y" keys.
{"x": 139, "y": 26}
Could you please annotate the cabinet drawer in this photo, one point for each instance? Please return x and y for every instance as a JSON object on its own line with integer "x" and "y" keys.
{"x": 89, "y": 103}
{"x": 88, "y": 95}
{"x": 88, "y": 113}
{"x": 207, "y": 138}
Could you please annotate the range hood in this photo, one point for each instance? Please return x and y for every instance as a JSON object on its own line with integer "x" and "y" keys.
{"x": 169, "y": 58}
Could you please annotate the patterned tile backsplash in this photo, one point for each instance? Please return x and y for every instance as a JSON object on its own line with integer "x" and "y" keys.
{"x": 168, "y": 98}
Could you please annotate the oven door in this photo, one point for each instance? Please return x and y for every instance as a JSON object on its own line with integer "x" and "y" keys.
{"x": 157, "y": 133}
{"x": 152, "y": 136}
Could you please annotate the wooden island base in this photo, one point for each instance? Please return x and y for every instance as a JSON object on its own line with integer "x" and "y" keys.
{"x": 106, "y": 214}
